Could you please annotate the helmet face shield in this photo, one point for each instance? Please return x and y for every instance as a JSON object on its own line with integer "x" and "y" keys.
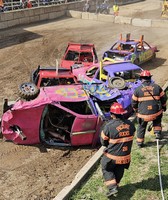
{"x": 116, "y": 108}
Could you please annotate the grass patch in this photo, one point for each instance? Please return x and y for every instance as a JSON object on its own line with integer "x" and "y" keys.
{"x": 140, "y": 182}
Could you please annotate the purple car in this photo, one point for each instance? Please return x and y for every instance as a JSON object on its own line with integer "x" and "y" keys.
{"x": 135, "y": 51}
{"x": 110, "y": 81}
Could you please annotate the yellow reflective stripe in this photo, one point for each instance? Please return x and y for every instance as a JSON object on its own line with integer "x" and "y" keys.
{"x": 157, "y": 128}
{"x": 103, "y": 136}
{"x": 148, "y": 98}
{"x": 111, "y": 182}
{"x": 134, "y": 98}
{"x": 119, "y": 159}
{"x": 121, "y": 140}
{"x": 148, "y": 118}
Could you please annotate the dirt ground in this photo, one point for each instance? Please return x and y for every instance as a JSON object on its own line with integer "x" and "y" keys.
{"x": 39, "y": 172}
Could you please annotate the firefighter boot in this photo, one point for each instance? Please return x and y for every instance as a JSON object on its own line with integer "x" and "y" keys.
{"x": 158, "y": 136}
{"x": 140, "y": 144}
{"x": 112, "y": 192}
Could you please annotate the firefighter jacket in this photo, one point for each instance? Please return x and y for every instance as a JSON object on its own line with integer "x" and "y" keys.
{"x": 117, "y": 135}
{"x": 149, "y": 101}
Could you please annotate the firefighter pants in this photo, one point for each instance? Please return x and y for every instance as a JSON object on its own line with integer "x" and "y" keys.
{"x": 112, "y": 173}
{"x": 142, "y": 128}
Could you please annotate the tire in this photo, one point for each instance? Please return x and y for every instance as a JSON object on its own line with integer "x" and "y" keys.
{"x": 28, "y": 91}
{"x": 117, "y": 82}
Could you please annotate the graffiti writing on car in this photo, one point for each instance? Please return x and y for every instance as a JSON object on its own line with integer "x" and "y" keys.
{"x": 70, "y": 93}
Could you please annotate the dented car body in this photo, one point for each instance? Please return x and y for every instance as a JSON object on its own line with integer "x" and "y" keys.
{"x": 61, "y": 116}
{"x": 77, "y": 53}
{"x": 110, "y": 81}
{"x": 136, "y": 51}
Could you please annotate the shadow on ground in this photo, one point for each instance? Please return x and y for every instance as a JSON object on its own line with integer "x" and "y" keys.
{"x": 16, "y": 35}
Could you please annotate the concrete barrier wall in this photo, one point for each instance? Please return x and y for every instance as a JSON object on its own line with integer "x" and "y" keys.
{"x": 74, "y": 9}
{"x": 163, "y": 23}
{"x": 27, "y": 16}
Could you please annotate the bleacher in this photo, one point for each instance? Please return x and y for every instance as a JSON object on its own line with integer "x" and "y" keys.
{"x": 23, "y": 4}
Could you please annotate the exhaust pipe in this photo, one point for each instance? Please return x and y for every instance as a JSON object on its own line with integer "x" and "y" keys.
{"x": 18, "y": 130}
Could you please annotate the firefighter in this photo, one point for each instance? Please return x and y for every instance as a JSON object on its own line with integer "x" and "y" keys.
{"x": 117, "y": 136}
{"x": 149, "y": 102}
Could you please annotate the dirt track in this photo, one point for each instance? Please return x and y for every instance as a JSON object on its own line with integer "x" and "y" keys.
{"x": 39, "y": 172}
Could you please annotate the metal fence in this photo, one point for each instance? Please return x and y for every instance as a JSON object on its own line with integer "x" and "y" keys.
{"x": 9, "y": 5}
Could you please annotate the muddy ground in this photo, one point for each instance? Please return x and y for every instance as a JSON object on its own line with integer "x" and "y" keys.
{"x": 39, "y": 172}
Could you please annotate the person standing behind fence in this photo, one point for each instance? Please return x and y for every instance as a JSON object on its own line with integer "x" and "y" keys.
{"x": 1, "y": 6}
{"x": 86, "y": 7}
{"x": 29, "y": 4}
{"x": 117, "y": 136}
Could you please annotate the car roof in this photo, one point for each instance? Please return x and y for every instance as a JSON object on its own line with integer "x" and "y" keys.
{"x": 80, "y": 47}
{"x": 123, "y": 66}
{"x": 131, "y": 42}
{"x": 50, "y": 72}
{"x": 53, "y": 74}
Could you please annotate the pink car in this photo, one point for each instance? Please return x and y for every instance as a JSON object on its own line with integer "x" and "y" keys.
{"x": 61, "y": 116}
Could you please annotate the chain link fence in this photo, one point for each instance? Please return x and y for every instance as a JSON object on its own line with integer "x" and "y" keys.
{"x": 8, "y": 5}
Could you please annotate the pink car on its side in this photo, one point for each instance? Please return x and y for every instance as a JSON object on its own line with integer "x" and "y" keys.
{"x": 61, "y": 116}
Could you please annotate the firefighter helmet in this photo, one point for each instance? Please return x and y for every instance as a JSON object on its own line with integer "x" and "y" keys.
{"x": 117, "y": 108}
{"x": 145, "y": 73}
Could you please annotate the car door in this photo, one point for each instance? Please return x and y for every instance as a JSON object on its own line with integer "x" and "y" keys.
{"x": 83, "y": 130}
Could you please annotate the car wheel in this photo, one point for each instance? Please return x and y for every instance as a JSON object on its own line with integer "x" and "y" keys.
{"x": 117, "y": 82}
{"x": 28, "y": 91}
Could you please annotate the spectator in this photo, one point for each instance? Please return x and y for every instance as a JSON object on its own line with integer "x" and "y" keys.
{"x": 115, "y": 9}
{"x": 86, "y": 6}
{"x": 29, "y": 4}
{"x": 1, "y": 6}
{"x": 98, "y": 3}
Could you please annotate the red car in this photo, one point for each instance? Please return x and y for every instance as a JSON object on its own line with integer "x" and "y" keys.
{"x": 76, "y": 53}
{"x": 51, "y": 76}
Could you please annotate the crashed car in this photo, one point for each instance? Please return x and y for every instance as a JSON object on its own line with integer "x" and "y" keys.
{"x": 135, "y": 51}
{"x": 50, "y": 76}
{"x": 81, "y": 54}
{"x": 60, "y": 116}
{"x": 110, "y": 81}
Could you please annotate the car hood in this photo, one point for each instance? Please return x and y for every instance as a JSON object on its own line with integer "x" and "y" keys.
{"x": 101, "y": 91}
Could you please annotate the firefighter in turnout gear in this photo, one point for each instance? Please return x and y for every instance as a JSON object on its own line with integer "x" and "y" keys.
{"x": 117, "y": 136}
{"x": 149, "y": 102}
